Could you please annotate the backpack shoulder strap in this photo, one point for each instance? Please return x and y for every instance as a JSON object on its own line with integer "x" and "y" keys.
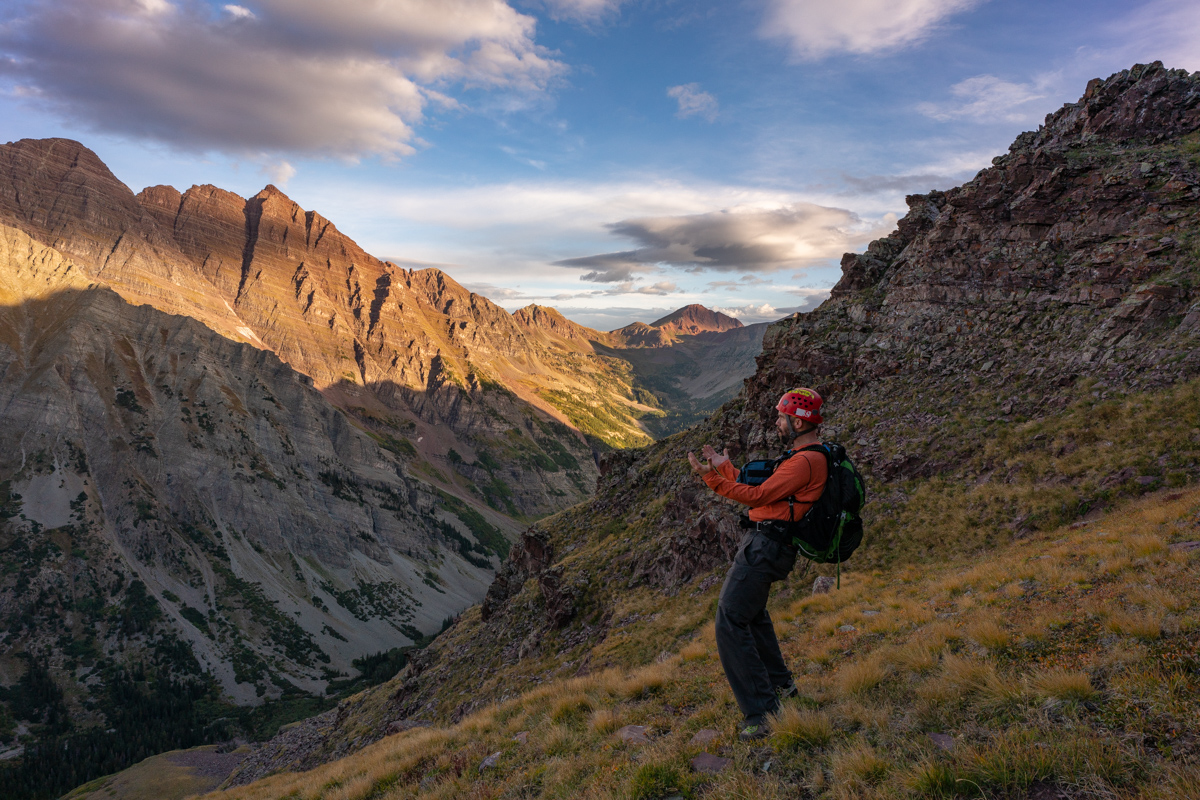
{"x": 816, "y": 448}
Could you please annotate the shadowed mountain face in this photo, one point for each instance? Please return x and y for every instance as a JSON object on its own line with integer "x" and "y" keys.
{"x": 260, "y": 526}
{"x": 1021, "y": 350}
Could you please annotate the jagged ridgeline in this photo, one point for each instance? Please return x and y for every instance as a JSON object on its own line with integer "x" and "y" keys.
{"x": 239, "y": 455}
{"x": 1019, "y": 354}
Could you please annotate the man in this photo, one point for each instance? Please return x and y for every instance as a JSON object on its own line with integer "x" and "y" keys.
{"x": 746, "y": 639}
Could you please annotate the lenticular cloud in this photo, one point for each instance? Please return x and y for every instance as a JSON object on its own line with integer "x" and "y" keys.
{"x": 731, "y": 240}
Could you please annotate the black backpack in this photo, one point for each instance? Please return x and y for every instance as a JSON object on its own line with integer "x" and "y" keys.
{"x": 831, "y": 530}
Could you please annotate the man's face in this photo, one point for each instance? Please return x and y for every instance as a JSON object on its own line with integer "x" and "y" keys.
{"x": 783, "y": 424}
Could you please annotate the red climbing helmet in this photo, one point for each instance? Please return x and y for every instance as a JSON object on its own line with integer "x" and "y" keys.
{"x": 802, "y": 403}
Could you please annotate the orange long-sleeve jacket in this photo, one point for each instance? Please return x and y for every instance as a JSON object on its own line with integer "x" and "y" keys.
{"x": 802, "y": 476}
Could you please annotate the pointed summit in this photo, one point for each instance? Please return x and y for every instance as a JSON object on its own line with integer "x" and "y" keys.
{"x": 695, "y": 318}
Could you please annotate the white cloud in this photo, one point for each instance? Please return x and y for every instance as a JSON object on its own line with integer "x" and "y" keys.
{"x": 301, "y": 76}
{"x": 763, "y": 311}
{"x": 819, "y": 28}
{"x": 693, "y": 102}
{"x": 662, "y": 287}
{"x": 279, "y": 173}
{"x": 558, "y": 207}
{"x": 580, "y": 10}
{"x": 986, "y": 98}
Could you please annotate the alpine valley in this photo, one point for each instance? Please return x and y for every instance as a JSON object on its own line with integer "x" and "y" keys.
{"x": 244, "y": 464}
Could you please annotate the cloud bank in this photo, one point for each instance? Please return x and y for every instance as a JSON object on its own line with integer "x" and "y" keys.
{"x": 817, "y": 28}
{"x": 309, "y": 77}
{"x": 763, "y": 240}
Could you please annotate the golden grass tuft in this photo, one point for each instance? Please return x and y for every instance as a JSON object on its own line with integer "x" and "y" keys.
{"x": 606, "y": 720}
{"x": 913, "y": 657}
{"x": 650, "y": 679}
{"x": 560, "y": 740}
{"x": 1012, "y": 590}
{"x": 1146, "y": 545}
{"x": 796, "y": 728}
{"x": 1063, "y": 685}
{"x": 936, "y": 634}
{"x": 695, "y": 651}
{"x": 1143, "y": 625}
{"x": 1035, "y": 628}
{"x": 961, "y": 675}
{"x": 988, "y": 633}
{"x": 860, "y": 676}
{"x": 570, "y": 708}
{"x": 851, "y": 714}
{"x": 1153, "y": 597}
{"x": 858, "y": 766}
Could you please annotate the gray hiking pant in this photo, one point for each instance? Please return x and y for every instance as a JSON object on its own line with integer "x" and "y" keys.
{"x": 746, "y": 639}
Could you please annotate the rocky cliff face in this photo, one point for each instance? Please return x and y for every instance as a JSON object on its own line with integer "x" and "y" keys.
{"x": 392, "y": 346}
{"x": 1022, "y": 349}
{"x": 266, "y": 531}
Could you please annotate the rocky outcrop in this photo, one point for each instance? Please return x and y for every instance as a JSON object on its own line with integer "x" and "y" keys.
{"x": 529, "y": 558}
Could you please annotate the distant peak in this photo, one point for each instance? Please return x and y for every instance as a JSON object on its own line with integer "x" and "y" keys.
{"x": 695, "y": 318}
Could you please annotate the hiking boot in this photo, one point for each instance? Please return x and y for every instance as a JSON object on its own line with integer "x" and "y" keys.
{"x": 752, "y": 731}
{"x": 787, "y": 692}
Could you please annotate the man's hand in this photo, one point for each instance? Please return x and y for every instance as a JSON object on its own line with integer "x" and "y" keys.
{"x": 698, "y": 467}
{"x": 714, "y": 458}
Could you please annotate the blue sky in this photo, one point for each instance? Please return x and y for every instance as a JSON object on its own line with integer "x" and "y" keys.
{"x": 615, "y": 159}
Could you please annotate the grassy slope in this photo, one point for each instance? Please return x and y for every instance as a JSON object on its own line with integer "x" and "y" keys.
{"x": 157, "y": 778}
{"x": 1068, "y": 658}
